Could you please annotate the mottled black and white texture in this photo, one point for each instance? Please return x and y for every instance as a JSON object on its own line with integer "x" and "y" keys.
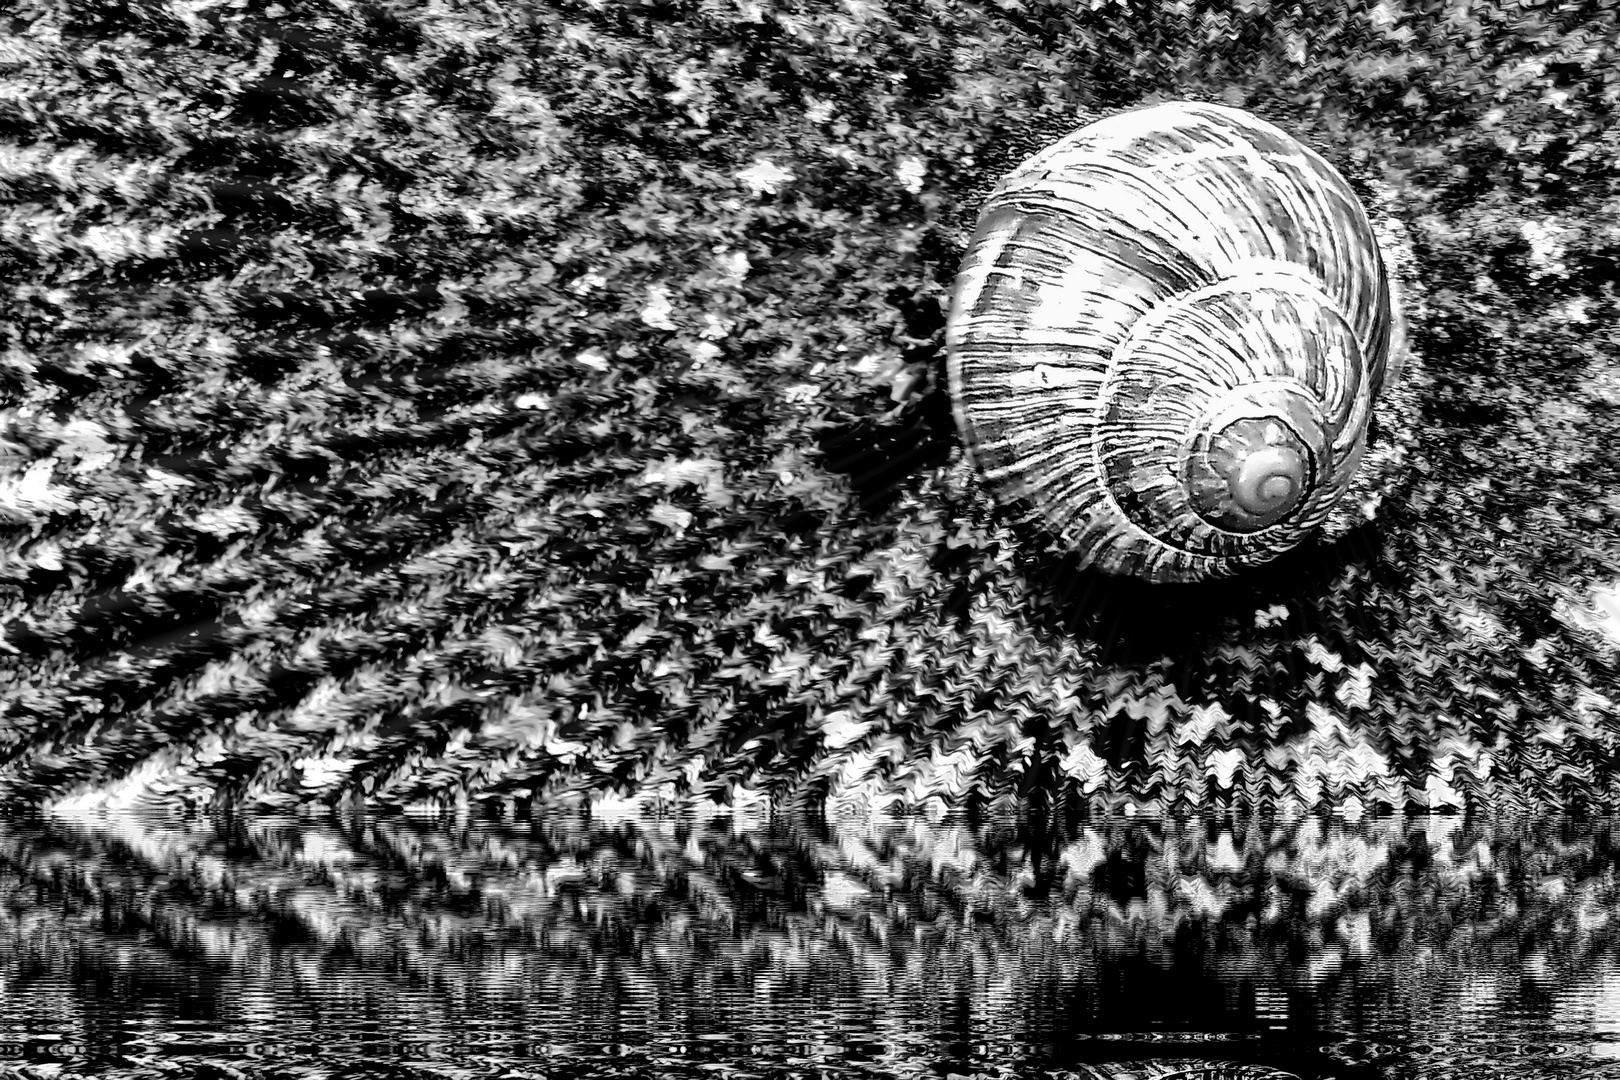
{"x": 475, "y": 400}
{"x": 616, "y": 946}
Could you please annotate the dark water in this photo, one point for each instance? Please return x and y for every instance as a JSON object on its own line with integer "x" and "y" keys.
{"x": 613, "y": 944}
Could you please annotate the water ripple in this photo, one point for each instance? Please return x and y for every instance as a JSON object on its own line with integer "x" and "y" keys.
{"x": 775, "y": 945}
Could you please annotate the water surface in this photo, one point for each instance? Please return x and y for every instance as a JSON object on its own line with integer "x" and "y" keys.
{"x": 608, "y": 942}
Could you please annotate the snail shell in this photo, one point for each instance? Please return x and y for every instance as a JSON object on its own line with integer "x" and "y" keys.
{"x": 1166, "y": 338}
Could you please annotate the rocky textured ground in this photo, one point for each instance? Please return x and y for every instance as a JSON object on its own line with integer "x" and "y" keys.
{"x": 465, "y": 401}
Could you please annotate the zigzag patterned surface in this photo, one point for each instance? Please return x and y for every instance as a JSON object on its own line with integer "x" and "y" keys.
{"x": 741, "y": 945}
{"x": 462, "y": 401}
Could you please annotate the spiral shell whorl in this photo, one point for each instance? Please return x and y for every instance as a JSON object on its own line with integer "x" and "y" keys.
{"x": 1166, "y": 339}
{"x": 1268, "y": 483}
{"x": 1252, "y": 473}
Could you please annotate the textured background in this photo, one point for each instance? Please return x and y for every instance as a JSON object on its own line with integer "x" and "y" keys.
{"x": 1432, "y": 948}
{"x": 451, "y": 401}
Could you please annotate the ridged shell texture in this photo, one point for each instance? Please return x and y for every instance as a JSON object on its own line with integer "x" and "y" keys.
{"x": 1165, "y": 340}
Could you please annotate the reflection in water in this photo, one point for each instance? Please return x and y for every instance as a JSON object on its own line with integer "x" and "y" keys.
{"x": 744, "y": 944}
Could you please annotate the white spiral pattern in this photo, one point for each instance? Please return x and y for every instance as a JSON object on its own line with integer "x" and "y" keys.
{"x": 1136, "y": 288}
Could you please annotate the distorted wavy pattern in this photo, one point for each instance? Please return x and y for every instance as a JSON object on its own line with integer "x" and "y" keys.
{"x": 611, "y": 940}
